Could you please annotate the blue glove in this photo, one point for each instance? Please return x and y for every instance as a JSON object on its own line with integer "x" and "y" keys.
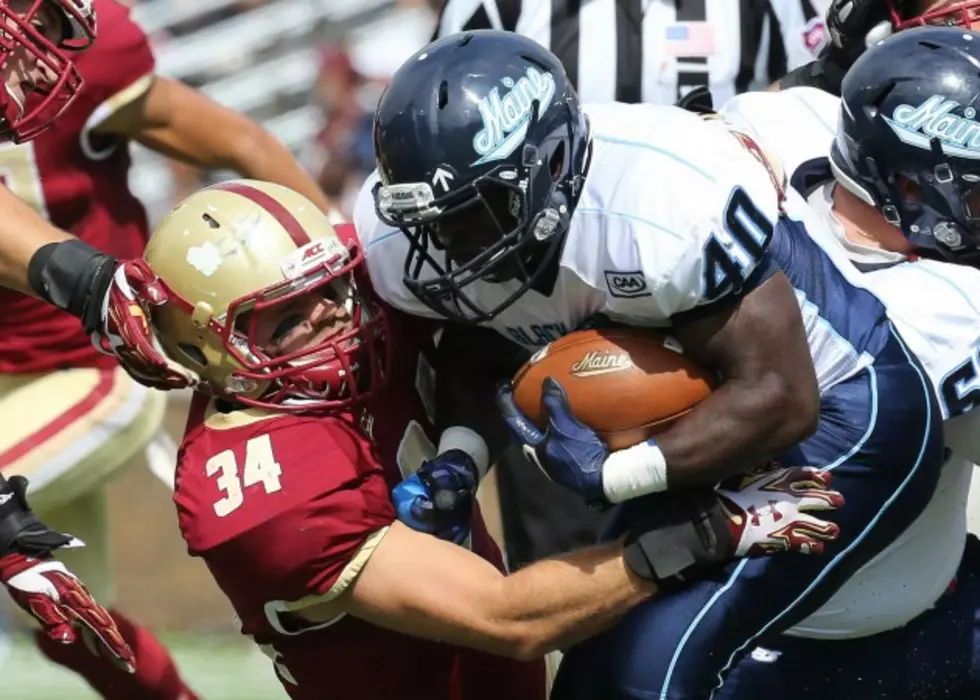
{"x": 438, "y": 498}
{"x": 568, "y": 451}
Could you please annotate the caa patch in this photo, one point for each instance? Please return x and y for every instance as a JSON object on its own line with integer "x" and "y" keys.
{"x": 627, "y": 285}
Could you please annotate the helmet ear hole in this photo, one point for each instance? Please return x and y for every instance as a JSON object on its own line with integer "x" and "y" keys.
{"x": 193, "y": 353}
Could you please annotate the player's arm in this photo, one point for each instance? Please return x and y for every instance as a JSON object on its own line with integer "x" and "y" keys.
{"x": 457, "y": 597}
{"x": 22, "y": 232}
{"x": 768, "y": 400}
{"x": 469, "y": 363}
{"x": 850, "y": 23}
{"x": 182, "y": 123}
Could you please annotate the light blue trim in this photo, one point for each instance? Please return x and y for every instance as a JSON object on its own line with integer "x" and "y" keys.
{"x": 811, "y": 110}
{"x": 628, "y": 217}
{"x": 655, "y": 149}
{"x": 873, "y": 420}
{"x": 694, "y": 623}
{"x": 927, "y": 391}
{"x": 383, "y": 237}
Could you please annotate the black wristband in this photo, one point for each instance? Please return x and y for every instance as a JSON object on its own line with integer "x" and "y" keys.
{"x": 20, "y": 530}
{"x": 73, "y": 276}
{"x": 687, "y": 533}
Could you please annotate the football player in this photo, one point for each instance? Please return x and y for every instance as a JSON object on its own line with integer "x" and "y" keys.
{"x": 320, "y": 406}
{"x": 500, "y": 201}
{"x": 40, "y": 82}
{"x": 893, "y": 169}
{"x": 856, "y": 24}
{"x": 96, "y": 420}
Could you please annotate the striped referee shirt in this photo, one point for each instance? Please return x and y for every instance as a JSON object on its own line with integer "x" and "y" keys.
{"x": 656, "y": 50}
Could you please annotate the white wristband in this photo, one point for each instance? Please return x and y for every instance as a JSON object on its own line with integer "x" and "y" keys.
{"x": 459, "y": 438}
{"x": 634, "y": 471}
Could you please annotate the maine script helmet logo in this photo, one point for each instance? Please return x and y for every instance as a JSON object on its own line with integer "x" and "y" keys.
{"x": 601, "y": 362}
{"x": 917, "y": 126}
{"x": 506, "y": 117}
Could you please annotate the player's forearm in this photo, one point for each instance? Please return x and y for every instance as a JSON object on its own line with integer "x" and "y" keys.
{"x": 261, "y": 156}
{"x": 821, "y": 74}
{"x": 182, "y": 123}
{"x": 744, "y": 424}
{"x": 22, "y": 233}
{"x": 557, "y": 602}
{"x": 422, "y": 586}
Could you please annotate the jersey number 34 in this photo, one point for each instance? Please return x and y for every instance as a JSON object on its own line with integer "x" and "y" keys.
{"x": 260, "y": 467}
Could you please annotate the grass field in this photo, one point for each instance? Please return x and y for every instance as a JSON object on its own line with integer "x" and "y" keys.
{"x": 218, "y": 668}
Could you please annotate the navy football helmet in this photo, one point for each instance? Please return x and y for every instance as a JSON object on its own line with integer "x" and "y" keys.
{"x": 481, "y": 148}
{"x": 908, "y": 142}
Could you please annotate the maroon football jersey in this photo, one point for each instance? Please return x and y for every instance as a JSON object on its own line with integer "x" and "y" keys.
{"x": 279, "y": 506}
{"x": 78, "y": 180}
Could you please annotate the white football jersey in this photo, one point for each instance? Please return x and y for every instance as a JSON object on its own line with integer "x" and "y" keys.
{"x": 667, "y": 196}
{"x": 932, "y": 305}
{"x": 796, "y": 127}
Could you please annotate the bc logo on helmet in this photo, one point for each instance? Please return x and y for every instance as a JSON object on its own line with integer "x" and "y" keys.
{"x": 506, "y": 117}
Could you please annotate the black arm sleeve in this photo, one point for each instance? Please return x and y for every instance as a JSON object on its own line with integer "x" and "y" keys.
{"x": 73, "y": 276}
{"x": 822, "y": 74}
{"x": 469, "y": 362}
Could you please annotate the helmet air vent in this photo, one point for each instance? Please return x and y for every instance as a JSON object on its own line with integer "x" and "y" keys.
{"x": 443, "y": 99}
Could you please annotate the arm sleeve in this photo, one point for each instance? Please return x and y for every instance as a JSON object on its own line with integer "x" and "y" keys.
{"x": 822, "y": 74}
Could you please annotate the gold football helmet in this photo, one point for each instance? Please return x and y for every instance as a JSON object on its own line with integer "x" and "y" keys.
{"x": 241, "y": 251}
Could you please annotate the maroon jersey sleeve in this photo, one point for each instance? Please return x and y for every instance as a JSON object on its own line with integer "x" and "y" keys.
{"x": 117, "y": 68}
{"x": 282, "y": 510}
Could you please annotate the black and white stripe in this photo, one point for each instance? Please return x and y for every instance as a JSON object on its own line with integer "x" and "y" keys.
{"x": 618, "y": 49}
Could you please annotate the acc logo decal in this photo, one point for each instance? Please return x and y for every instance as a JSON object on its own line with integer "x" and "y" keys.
{"x": 917, "y": 126}
{"x": 506, "y": 118}
{"x": 627, "y": 284}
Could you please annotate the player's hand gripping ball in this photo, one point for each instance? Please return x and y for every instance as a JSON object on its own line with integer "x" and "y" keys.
{"x": 626, "y": 384}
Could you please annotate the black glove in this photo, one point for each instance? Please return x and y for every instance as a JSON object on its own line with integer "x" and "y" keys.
{"x": 20, "y": 529}
{"x": 849, "y": 22}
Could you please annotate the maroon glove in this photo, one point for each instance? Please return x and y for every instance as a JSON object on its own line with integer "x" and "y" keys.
{"x": 63, "y": 606}
{"x": 134, "y": 289}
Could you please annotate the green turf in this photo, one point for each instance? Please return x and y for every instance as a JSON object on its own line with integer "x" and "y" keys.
{"x": 218, "y": 668}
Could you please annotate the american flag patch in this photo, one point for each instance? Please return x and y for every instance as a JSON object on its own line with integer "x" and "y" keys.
{"x": 690, "y": 39}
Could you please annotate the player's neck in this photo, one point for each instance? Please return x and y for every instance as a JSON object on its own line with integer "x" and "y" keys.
{"x": 864, "y": 225}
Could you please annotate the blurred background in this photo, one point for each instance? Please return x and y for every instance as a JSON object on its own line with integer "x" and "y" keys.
{"x": 311, "y": 71}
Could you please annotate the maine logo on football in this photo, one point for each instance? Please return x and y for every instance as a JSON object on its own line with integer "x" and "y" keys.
{"x": 934, "y": 118}
{"x": 506, "y": 116}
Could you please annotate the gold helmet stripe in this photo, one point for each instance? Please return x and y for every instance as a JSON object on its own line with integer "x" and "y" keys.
{"x": 289, "y": 222}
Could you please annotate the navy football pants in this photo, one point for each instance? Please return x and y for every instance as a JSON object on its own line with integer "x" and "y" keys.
{"x": 880, "y": 432}
{"x": 934, "y": 657}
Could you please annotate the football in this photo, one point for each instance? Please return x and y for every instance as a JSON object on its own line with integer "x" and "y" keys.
{"x": 627, "y": 384}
